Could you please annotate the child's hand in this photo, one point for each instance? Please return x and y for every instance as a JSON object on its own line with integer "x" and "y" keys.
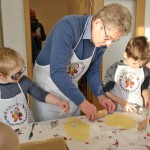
{"x": 126, "y": 106}
{"x": 64, "y": 106}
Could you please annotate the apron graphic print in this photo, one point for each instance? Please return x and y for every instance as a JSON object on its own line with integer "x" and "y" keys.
{"x": 15, "y": 110}
{"x": 129, "y": 82}
{"x": 75, "y": 69}
{"x": 13, "y": 114}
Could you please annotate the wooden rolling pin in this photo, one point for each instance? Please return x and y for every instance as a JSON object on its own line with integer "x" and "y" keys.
{"x": 102, "y": 113}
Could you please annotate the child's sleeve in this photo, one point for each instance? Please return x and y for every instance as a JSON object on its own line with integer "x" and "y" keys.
{"x": 108, "y": 82}
{"x": 146, "y": 83}
{"x": 29, "y": 87}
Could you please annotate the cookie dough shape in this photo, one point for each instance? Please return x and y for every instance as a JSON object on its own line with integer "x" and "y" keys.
{"x": 120, "y": 120}
{"x": 77, "y": 129}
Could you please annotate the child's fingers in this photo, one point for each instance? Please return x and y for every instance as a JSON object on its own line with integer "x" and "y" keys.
{"x": 62, "y": 112}
{"x": 66, "y": 106}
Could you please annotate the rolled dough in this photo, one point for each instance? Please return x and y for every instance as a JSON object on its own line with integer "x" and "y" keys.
{"x": 77, "y": 129}
{"x": 120, "y": 120}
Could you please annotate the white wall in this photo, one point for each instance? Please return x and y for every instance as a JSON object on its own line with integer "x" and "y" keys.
{"x": 13, "y": 25}
{"x": 1, "y": 34}
{"x": 147, "y": 20}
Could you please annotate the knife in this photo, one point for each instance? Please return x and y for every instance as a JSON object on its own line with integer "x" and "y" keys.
{"x": 31, "y": 132}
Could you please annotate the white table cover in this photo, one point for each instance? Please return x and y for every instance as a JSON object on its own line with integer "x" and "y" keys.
{"x": 102, "y": 137}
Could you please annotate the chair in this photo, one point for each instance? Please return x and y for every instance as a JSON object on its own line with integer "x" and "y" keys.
{"x": 50, "y": 144}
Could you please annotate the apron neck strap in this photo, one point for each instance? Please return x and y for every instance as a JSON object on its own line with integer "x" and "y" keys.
{"x": 82, "y": 32}
{"x": 20, "y": 87}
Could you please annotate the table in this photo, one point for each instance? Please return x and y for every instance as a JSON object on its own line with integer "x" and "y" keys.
{"x": 102, "y": 137}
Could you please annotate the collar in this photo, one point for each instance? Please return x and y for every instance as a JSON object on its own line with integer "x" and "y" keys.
{"x": 87, "y": 33}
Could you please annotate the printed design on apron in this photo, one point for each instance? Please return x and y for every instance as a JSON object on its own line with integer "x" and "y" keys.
{"x": 75, "y": 69}
{"x": 129, "y": 82}
{"x": 14, "y": 115}
{"x": 15, "y": 110}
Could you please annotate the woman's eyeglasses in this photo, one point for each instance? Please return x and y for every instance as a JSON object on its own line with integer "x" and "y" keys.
{"x": 17, "y": 75}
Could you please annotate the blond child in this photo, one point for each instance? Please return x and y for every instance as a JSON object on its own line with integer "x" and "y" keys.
{"x": 14, "y": 87}
{"x": 126, "y": 82}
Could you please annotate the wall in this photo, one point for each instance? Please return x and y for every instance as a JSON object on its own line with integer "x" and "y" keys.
{"x": 1, "y": 34}
{"x": 13, "y": 25}
{"x": 147, "y": 19}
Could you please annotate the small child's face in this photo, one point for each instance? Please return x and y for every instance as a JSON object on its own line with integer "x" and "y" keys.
{"x": 135, "y": 63}
{"x": 15, "y": 75}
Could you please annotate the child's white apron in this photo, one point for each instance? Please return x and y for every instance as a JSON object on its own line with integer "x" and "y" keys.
{"x": 128, "y": 84}
{"x": 15, "y": 111}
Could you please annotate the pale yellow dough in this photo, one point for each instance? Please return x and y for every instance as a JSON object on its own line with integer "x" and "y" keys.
{"x": 120, "y": 120}
{"x": 77, "y": 129}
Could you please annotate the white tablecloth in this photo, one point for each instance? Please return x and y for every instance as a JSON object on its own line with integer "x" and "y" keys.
{"x": 102, "y": 137}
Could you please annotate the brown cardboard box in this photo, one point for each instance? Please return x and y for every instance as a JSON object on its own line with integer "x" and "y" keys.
{"x": 50, "y": 144}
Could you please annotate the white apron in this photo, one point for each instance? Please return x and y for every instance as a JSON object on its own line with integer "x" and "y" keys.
{"x": 15, "y": 111}
{"x": 76, "y": 69}
{"x": 128, "y": 85}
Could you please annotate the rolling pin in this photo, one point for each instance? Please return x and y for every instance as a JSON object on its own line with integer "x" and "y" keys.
{"x": 102, "y": 113}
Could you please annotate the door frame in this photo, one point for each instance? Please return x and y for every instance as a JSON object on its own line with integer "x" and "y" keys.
{"x": 28, "y": 38}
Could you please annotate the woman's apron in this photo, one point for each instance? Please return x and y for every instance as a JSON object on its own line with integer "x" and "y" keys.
{"x": 15, "y": 111}
{"x": 76, "y": 69}
{"x": 128, "y": 85}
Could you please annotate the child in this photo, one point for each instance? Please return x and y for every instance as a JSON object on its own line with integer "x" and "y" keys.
{"x": 8, "y": 138}
{"x": 126, "y": 82}
{"x": 14, "y": 87}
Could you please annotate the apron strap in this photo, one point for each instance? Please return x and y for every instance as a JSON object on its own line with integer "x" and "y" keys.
{"x": 20, "y": 87}
{"x": 82, "y": 33}
{"x": 93, "y": 51}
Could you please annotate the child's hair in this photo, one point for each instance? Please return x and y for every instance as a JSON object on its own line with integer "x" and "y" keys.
{"x": 9, "y": 59}
{"x": 138, "y": 48}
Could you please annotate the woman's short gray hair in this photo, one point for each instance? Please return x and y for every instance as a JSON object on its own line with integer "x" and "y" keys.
{"x": 115, "y": 16}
